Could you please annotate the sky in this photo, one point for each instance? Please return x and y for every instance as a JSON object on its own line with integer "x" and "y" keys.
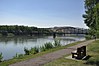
{"x": 42, "y": 13}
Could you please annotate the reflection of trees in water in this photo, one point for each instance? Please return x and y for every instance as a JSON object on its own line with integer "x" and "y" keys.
{"x": 26, "y": 39}
{"x": 18, "y": 39}
{"x": 66, "y": 41}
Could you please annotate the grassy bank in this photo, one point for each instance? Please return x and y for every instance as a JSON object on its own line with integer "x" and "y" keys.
{"x": 25, "y": 57}
{"x": 93, "y": 51}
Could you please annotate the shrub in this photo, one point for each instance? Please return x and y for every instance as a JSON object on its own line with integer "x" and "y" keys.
{"x": 19, "y": 56}
{"x": 48, "y": 45}
{"x": 34, "y": 50}
{"x": 27, "y": 52}
{"x": 57, "y": 43}
{"x": 42, "y": 48}
{"x": 45, "y": 47}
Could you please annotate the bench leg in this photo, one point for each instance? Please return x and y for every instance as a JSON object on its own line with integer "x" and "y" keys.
{"x": 73, "y": 55}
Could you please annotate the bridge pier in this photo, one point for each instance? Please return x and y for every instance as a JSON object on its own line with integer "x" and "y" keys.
{"x": 54, "y": 35}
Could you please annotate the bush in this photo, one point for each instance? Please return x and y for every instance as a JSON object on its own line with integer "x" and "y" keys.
{"x": 27, "y": 52}
{"x": 42, "y": 48}
{"x": 48, "y": 45}
{"x": 19, "y": 56}
{"x": 45, "y": 47}
{"x": 57, "y": 43}
{"x": 1, "y": 57}
{"x": 34, "y": 50}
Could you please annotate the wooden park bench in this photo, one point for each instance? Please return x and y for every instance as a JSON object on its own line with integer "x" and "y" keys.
{"x": 79, "y": 53}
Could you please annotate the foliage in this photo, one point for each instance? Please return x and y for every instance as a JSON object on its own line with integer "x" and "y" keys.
{"x": 92, "y": 31}
{"x": 45, "y": 47}
{"x": 48, "y": 45}
{"x": 91, "y": 15}
{"x": 27, "y": 52}
{"x": 1, "y": 57}
{"x": 57, "y": 43}
{"x": 34, "y": 50}
{"x": 97, "y": 34}
{"x": 88, "y": 37}
{"x": 42, "y": 48}
{"x": 31, "y": 51}
{"x": 5, "y": 30}
{"x": 18, "y": 56}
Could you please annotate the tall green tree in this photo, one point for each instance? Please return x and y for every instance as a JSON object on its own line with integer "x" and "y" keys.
{"x": 91, "y": 15}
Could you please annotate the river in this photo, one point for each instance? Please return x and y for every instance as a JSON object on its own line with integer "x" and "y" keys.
{"x": 9, "y": 46}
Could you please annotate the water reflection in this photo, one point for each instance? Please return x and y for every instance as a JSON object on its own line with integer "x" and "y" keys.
{"x": 9, "y": 46}
{"x": 17, "y": 40}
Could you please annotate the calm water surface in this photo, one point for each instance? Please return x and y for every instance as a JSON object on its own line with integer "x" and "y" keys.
{"x": 10, "y": 46}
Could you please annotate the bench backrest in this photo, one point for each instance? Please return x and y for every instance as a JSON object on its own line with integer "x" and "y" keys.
{"x": 81, "y": 51}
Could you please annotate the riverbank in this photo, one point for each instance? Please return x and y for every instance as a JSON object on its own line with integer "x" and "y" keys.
{"x": 39, "y": 61}
{"x": 26, "y": 57}
{"x": 92, "y": 52}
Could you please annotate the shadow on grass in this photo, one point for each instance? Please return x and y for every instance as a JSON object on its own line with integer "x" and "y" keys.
{"x": 92, "y": 61}
{"x": 87, "y": 57}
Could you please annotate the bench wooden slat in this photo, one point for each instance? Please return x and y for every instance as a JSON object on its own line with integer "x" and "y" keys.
{"x": 79, "y": 53}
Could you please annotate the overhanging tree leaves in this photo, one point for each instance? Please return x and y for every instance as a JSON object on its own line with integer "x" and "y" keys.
{"x": 91, "y": 15}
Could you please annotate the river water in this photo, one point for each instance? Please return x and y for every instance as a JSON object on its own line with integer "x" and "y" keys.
{"x": 9, "y": 46}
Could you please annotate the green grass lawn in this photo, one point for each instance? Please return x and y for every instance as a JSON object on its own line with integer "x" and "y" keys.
{"x": 93, "y": 51}
{"x": 11, "y": 61}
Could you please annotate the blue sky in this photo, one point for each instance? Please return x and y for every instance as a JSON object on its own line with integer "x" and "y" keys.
{"x": 42, "y": 13}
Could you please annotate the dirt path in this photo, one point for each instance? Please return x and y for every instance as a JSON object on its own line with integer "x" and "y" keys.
{"x": 40, "y": 61}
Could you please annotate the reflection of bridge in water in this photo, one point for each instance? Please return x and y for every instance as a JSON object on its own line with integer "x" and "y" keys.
{"x": 71, "y": 33}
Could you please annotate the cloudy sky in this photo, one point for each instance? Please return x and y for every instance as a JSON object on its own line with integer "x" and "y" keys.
{"x": 42, "y": 13}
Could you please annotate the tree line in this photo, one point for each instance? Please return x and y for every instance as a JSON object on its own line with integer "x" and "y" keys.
{"x": 22, "y": 30}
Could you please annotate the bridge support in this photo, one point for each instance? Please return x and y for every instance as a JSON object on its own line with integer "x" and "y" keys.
{"x": 54, "y": 35}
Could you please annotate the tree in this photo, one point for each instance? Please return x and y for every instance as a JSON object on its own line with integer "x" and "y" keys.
{"x": 91, "y": 15}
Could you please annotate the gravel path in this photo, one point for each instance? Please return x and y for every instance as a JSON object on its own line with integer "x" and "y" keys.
{"x": 40, "y": 61}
